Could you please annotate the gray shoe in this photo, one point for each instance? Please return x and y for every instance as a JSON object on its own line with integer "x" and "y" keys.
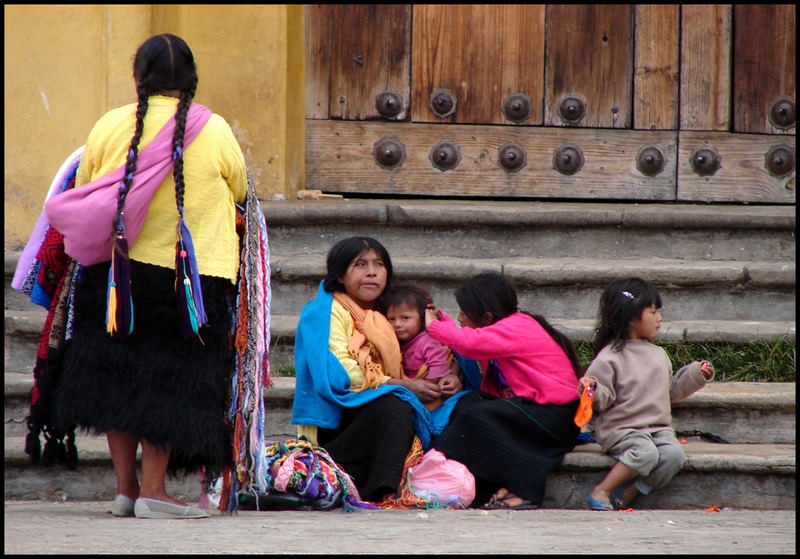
{"x": 152, "y": 508}
{"x": 123, "y": 506}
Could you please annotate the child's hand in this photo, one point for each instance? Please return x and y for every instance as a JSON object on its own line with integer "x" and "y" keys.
{"x": 450, "y": 384}
{"x": 707, "y": 369}
{"x": 583, "y": 382}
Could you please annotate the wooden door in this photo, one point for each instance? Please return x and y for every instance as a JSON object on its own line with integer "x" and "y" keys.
{"x": 625, "y": 102}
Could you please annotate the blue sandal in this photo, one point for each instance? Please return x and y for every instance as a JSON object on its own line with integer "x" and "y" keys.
{"x": 597, "y": 504}
{"x": 618, "y": 497}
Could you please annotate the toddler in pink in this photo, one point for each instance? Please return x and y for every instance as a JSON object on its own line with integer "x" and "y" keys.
{"x": 423, "y": 357}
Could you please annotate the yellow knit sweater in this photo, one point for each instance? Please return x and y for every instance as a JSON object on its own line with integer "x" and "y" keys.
{"x": 214, "y": 173}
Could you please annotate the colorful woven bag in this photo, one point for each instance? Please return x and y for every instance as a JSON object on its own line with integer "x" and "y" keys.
{"x": 302, "y": 476}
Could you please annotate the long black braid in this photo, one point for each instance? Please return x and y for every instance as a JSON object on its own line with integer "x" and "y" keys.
{"x": 133, "y": 152}
{"x": 177, "y": 144}
{"x": 162, "y": 63}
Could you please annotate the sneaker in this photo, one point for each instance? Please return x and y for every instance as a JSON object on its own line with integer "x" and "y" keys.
{"x": 152, "y": 508}
{"x": 123, "y": 506}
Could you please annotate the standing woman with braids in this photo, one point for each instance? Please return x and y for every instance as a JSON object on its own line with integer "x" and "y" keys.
{"x": 150, "y": 356}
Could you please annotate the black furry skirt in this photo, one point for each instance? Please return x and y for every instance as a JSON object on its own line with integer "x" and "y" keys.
{"x": 512, "y": 443}
{"x": 371, "y": 444}
{"x": 154, "y": 384}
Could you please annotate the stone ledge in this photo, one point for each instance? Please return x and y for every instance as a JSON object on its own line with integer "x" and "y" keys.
{"x": 570, "y": 271}
{"x": 29, "y": 323}
{"x": 448, "y": 213}
{"x": 722, "y": 395}
{"x": 777, "y": 459}
{"x": 703, "y": 457}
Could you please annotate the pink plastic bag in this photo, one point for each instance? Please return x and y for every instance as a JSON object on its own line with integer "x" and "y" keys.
{"x": 443, "y": 480}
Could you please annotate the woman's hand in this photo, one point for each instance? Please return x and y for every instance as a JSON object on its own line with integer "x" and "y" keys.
{"x": 425, "y": 390}
{"x": 450, "y": 384}
{"x": 707, "y": 369}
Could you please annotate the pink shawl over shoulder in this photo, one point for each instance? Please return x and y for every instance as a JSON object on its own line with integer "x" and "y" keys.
{"x": 84, "y": 215}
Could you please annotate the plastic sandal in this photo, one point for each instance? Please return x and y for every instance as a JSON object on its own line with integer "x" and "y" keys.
{"x": 597, "y": 504}
{"x": 618, "y": 498}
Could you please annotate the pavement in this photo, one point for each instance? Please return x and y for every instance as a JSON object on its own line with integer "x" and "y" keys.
{"x": 74, "y": 527}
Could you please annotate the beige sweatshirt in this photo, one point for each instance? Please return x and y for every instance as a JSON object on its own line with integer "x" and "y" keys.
{"x": 635, "y": 387}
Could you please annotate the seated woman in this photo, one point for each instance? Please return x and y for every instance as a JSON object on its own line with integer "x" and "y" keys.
{"x": 520, "y": 425}
{"x": 351, "y": 395}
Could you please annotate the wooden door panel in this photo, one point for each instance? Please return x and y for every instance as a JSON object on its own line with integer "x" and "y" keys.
{"x": 589, "y": 55}
{"x": 341, "y": 158}
{"x": 318, "y": 59}
{"x": 705, "y": 67}
{"x": 656, "y": 73}
{"x": 763, "y": 65}
{"x": 370, "y": 54}
{"x": 673, "y": 77}
{"x": 742, "y": 176}
{"x": 481, "y": 54}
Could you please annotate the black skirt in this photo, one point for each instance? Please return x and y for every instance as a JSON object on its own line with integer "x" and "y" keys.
{"x": 154, "y": 384}
{"x": 512, "y": 443}
{"x": 371, "y": 445}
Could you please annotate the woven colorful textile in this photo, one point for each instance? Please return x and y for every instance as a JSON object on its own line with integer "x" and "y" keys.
{"x": 251, "y": 338}
{"x": 48, "y": 279}
{"x": 302, "y": 475}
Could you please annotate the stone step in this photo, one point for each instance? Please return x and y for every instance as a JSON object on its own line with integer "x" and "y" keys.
{"x": 567, "y": 288}
{"x": 746, "y": 476}
{"x": 23, "y": 328}
{"x": 722, "y": 411}
{"x": 491, "y": 229}
{"x": 752, "y": 474}
{"x": 571, "y": 288}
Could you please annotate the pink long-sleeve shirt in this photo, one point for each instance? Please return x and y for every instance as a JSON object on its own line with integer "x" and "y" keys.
{"x": 532, "y": 362}
{"x": 422, "y": 349}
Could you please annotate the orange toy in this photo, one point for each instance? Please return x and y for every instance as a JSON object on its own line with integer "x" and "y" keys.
{"x": 584, "y": 413}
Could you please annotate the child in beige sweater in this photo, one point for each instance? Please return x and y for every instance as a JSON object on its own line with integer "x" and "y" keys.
{"x": 633, "y": 387}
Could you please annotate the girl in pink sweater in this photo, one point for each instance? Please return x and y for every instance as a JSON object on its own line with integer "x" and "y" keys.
{"x": 518, "y": 427}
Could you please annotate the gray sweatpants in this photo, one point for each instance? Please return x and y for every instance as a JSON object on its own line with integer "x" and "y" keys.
{"x": 655, "y": 455}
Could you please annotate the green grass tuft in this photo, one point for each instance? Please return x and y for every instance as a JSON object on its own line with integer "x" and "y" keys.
{"x": 758, "y": 361}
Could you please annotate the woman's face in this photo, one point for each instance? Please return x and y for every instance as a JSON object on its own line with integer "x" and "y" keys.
{"x": 365, "y": 278}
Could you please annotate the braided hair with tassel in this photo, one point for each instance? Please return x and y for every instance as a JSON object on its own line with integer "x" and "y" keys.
{"x": 164, "y": 64}
{"x": 187, "y": 278}
{"x": 119, "y": 300}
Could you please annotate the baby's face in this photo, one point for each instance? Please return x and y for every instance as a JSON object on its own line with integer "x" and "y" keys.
{"x": 406, "y": 321}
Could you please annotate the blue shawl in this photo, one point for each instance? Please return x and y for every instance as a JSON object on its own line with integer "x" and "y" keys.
{"x": 322, "y": 387}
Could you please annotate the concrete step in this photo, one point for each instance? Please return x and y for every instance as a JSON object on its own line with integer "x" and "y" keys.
{"x": 563, "y": 287}
{"x": 722, "y": 411}
{"x": 492, "y": 229}
{"x": 738, "y": 261}
{"x": 748, "y": 472}
{"x": 747, "y": 476}
{"x": 571, "y": 287}
{"x": 23, "y": 328}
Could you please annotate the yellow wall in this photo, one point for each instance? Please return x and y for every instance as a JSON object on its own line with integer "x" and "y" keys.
{"x": 65, "y": 66}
